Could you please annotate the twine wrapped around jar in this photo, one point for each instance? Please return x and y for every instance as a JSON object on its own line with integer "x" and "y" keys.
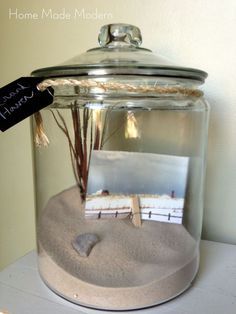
{"x": 106, "y": 86}
{"x": 41, "y": 138}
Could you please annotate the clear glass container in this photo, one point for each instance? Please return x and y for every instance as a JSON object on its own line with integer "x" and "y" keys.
{"x": 120, "y": 186}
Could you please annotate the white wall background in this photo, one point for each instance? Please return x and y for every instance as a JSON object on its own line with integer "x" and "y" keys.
{"x": 194, "y": 33}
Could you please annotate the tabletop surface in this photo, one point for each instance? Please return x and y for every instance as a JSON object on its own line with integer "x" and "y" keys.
{"x": 213, "y": 291}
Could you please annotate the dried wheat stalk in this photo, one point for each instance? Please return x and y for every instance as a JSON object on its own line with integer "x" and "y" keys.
{"x": 88, "y": 133}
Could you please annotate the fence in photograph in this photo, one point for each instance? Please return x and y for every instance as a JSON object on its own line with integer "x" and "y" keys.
{"x": 162, "y": 208}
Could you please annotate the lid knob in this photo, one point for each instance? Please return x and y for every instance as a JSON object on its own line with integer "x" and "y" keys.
{"x": 119, "y": 35}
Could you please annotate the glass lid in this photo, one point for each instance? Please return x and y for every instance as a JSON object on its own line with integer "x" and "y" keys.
{"x": 119, "y": 54}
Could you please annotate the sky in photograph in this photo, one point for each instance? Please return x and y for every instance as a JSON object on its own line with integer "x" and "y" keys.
{"x": 137, "y": 173}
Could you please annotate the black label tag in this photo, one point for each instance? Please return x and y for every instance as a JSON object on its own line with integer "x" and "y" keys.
{"x": 20, "y": 99}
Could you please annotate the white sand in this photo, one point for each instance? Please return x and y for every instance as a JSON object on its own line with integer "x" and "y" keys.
{"x": 129, "y": 268}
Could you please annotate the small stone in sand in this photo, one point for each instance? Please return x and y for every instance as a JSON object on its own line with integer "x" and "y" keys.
{"x": 84, "y": 243}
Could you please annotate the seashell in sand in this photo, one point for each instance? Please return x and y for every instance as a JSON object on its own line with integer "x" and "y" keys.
{"x": 84, "y": 243}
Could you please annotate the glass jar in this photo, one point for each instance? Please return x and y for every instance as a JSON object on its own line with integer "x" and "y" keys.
{"x": 120, "y": 186}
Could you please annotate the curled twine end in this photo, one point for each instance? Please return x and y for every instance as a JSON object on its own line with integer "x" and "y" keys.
{"x": 41, "y": 139}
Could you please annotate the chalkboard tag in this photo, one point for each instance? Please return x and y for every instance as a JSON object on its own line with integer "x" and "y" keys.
{"x": 20, "y": 99}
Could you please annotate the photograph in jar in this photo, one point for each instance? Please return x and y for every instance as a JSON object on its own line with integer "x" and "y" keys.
{"x": 120, "y": 186}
